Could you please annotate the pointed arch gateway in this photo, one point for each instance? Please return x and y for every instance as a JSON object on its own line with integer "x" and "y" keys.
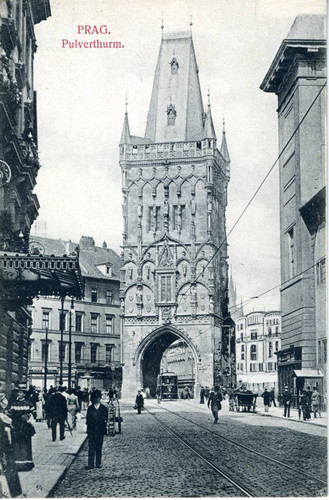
{"x": 149, "y": 353}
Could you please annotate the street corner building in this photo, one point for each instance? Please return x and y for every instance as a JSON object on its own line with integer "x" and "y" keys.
{"x": 78, "y": 342}
{"x": 298, "y": 76}
{"x": 23, "y": 275}
{"x": 174, "y": 270}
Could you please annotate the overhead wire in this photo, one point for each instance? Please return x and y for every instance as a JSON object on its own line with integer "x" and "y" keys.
{"x": 258, "y": 188}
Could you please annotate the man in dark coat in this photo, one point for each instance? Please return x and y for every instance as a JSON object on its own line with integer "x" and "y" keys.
{"x": 214, "y": 403}
{"x": 287, "y": 400}
{"x": 57, "y": 412}
{"x": 96, "y": 419}
{"x": 139, "y": 402}
{"x": 267, "y": 399}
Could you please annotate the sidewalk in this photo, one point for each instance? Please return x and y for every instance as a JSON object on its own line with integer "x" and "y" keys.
{"x": 51, "y": 459}
{"x": 278, "y": 412}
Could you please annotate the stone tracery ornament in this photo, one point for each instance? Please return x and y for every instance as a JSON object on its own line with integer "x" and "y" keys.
{"x": 5, "y": 172}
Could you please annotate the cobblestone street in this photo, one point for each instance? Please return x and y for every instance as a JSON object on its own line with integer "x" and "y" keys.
{"x": 146, "y": 460}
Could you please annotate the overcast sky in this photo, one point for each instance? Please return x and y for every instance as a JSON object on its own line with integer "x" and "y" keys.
{"x": 81, "y": 101}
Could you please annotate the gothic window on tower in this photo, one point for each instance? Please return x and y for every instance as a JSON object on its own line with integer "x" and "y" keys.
{"x": 153, "y": 218}
{"x": 178, "y": 219}
{"x": 165, "y": 288}
{"x": 174, "y": 66}
{"x": 171, "y": 114}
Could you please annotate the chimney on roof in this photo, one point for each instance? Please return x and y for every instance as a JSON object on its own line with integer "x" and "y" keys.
{"x": 87, "y": 243}
{"x": 104, "y": 245}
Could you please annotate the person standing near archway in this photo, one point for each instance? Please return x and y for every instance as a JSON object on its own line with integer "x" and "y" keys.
{"x": 215, "y": 402}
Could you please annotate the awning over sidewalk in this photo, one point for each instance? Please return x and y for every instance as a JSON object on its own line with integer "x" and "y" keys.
{"x": 259, "y": 378}
{"x": 307, "y": 373}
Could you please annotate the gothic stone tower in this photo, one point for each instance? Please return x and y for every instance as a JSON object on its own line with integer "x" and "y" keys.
{"x": 174, "y": 275}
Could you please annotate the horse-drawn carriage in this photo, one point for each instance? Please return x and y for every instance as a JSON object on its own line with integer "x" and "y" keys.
{"x": 243, "y": 401}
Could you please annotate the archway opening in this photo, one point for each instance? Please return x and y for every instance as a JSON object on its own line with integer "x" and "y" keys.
{"x": 168, "y": 352}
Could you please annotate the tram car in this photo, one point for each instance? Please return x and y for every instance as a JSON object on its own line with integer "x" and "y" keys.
{"x": 167, "y": 385}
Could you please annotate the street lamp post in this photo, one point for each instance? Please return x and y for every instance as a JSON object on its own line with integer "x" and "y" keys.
{"x": 46, "y": 363}
{"x": 70, "y": 345}
{"x": 61, "y": 344}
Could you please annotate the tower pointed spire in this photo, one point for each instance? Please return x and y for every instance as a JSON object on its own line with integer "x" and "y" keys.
{"x": 224, "y": 148}
{"x": 209, "y": 129}
{"x": 125, "y": 135}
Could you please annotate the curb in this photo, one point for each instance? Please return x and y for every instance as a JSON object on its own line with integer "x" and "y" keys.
{"x": 62, "y": 475}
{"x": 293, "y": 420}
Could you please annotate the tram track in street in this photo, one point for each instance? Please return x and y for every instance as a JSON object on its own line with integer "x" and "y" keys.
{"x": 314, "y": 484}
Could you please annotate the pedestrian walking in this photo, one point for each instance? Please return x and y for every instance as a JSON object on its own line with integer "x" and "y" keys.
{"x": 139, "y": 402}
{"x": 96, "y": 420}
{"x": 57, "y": 411}
{"x": 267, "y": 399}
{"x": 304, "y": 405}
{"x": 316, "y": 402}
{"x": 158, "y": 395}
{"x": 287, "y": 400}
{"x": 21, "y": 411}
{"x": 214, "y": 403}
{"x": 272, "y": 394}
{"x": 72, "y": 408}
{"x": 206, "y": 393}
{"x": 201, "y": 396}
{"x": 187, "y": 392}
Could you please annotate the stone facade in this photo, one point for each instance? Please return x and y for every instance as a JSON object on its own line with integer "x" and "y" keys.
{"x": 174, "y": 255}
{"x": 94, "y": 319}
{"x": 19, "y": 165}
{"x": 298, "y": 75}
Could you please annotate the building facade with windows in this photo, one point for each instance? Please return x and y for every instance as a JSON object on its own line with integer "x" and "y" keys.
{"x": 258, "y": 339}
{"x": 94, "y": 322}
{"x": 298, "y": 76}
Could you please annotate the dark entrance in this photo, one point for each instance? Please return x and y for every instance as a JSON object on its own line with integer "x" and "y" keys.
{"x": 152, "y": 359}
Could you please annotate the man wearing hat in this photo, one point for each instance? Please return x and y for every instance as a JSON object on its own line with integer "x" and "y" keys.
{"x": 96, "y": 420}
{"x": 287, "y": 400}
{"x": 57, "y": 412}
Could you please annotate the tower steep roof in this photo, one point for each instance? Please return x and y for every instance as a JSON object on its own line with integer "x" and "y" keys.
{"x": 125, "y": 135}
{"x": 176, "y": 85}
{"x": 224, "y": 148}
{"x": 209, "y": 129}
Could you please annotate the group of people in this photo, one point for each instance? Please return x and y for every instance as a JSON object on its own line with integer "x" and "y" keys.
{"x": 309, "y": 403}
{"x": 268, "y": 398}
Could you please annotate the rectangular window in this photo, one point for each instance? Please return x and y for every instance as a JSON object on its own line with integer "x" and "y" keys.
{"x": 78, "y": 322}
{"x": 165, "y": 288}
{"x": 108, "y": 353}
{"x": 62, "y": 350}
{"x": 241, "y": 335}
{"x": 321, "y": 271}
{"x": 109, "y": 270}
{"x": 291, "y": 252}
{"x": 78, "y": 351}
{"x": 62, "y": 320}
{"x": 45, "y": 319}
{"x": 276, "y": 346}
{"x": 109, "y": 297}
{"x": 44, "y": 350}
{"x": 253, "y": 352}
{"x": 242, "y": 348}
{"x": 93, "y": 353}
{"x": 260, "y": 367}
{"x": 242, "y": 356}
{"x": 253, "y": 335}
{"x": 94, "y": 295}
{"x": 109, "y": 325}
{"x": 270, "y": 366}
{"x": 270, "y": 350}
{"x": 94, "y": 322}
{"x": 252, "y": 367}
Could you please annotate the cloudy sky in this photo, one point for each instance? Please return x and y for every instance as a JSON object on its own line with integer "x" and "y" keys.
{"x": 81, "y": 102}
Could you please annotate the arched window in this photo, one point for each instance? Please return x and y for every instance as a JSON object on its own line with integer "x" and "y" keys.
{"x": 174, "y": 66}
{"x": 171, "y": 114}
{"x": 253, "y": 352}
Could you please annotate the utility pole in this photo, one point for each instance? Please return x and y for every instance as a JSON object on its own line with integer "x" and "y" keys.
{"x": 70, "y": 345}
{"x": 61, "y": 343}
{"x": 46, "y": 363}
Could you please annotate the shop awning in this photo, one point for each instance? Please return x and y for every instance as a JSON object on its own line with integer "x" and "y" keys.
{"x": 258, "y": 378}
{"x": 307, "y": 373}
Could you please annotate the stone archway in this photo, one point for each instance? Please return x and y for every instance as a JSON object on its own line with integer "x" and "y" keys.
{"x": 150, "y": 351}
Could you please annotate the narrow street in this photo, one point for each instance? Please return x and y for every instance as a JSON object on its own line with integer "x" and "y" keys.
{"x": 174, "y": 449}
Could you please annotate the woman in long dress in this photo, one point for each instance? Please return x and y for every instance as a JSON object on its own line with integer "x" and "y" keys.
{"x": 20, "y": 411}
{"x": 72, "y": 408}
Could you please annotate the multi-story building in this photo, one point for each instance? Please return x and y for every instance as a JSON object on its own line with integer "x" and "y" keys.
{"x": 174, "y": 277}
{"x": 92, "y": 326}
{"x": 178, "y": 358}
{"x": 298, "y": 77}
{"x": 258, "y": 339}
{"x": 20, "y": 273}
